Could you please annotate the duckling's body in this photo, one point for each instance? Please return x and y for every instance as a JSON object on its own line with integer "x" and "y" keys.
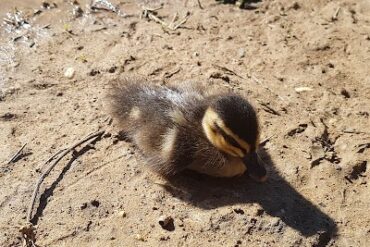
{"x": 175, "y": 128}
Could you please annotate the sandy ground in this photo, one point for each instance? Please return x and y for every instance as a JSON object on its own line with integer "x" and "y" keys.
{"x": 305, "y": 65}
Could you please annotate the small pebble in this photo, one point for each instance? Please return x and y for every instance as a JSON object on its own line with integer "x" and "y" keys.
{"x": 166, "y": 222}
{"x": 83, "y": 206}
{"x": 302, "y": 89}
{"x": 239, "y": 211}
{"x": 69, "y": 72}
{"x": 94, "y": 72}
{"x": 345, "y": 93}
{"x": 260, "y": 211}
{"x": 95, "y": 203}
{"x": 139, "y": 237}
{"x": 112, "y": 69}
{"x": 241, "y": 53}
{"x": 122, "y": 214}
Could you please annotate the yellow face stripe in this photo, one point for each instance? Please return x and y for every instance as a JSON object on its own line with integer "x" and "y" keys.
{"x": 209, "y": 119}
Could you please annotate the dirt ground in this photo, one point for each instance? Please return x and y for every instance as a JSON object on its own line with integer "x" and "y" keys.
{"x": 305, "y": 65}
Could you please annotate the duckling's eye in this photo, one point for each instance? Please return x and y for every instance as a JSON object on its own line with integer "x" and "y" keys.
{"x": 230, "y": 139}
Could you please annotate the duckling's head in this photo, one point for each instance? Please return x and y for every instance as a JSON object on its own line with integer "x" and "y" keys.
{"x": 230, "y": 123}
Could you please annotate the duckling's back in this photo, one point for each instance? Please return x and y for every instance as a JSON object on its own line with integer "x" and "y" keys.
{"x": 145, "y": 112}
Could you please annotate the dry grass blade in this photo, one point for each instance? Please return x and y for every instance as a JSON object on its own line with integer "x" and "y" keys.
{"x": 16, "y": 155}
{"x": 152, "y": 15}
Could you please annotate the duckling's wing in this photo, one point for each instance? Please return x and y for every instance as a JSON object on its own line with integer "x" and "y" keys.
{"x": 133, "y": 102}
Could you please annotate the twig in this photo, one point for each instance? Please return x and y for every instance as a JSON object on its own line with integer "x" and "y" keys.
{"x": 335, "y": 16}
{"x": 44, "y": 174}
{"x": 153, "y": 9}
{"x": 268, "y": 109}
{"x": 181, "y": 22}
{"x": 354, "y": 132}
{"x": 15, "y": 156}
{"x": 170, "y": 74}
{"x": 263, "y": 143}
{"x": 171, "y": 25}
{"x": 227, "y": 70}
{"x": 150, "y": 13}
{"x": 52, "y": 157}
{"x": 158, "y": 20}
{"x": 199, "y": 4}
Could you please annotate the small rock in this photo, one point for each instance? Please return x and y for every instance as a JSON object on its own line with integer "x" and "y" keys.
{"x": 167, "y": 223}
{"x": 167, "y": 47}
{"x": 302, "y": 89}
{"x": 321, "y": 46}
{"x": 260, "y": 211}
{"x": 139, "y": 237}
{"x": 345, "y": 93}
{"x": 122, "y": 214}
{"x": 95, "y": 203}
{"x": 83, "y": 206}
{"x": 77, "y": 11}
{"x": 94, "y": 72}
{"x": 215, "y": 75}
{"x": 112, "y": 69}
{"x": 295, "y": 6}
{"x": 9, "y": 91}
{"x": 317, "y": 154}
{"x": 273, "y": 19}
{"x": 241, "y": 53}
{"x": 257, "y": 211}
{"x": 69, "y": 72}
{"x": 239, "y": 211}
{"x": 164, "y": 238}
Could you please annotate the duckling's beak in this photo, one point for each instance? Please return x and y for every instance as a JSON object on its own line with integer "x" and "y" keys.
{"x": 254, "y": 168}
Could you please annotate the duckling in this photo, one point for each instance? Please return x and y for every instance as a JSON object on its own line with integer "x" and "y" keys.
{"x": 179, "y": 128}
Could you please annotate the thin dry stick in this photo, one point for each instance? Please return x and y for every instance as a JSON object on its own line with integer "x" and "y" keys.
{"x": 17, "y": 154}
{"x": 52, "y": 157}
{"x": 226, "y": 70}
{"x": 170, "y": 74}
{"x": 171, "y": 25}
{"x": 262, "y": 143}
{"x": 55, "y": 155}
{"x": 44, "y": 175}
{"x": 181, "y": 22}
{"x": 199, "y": 4}
{"x": 268, "y": 108}
{"x": 150, "y": 13}
{"x": 335, "y": 16}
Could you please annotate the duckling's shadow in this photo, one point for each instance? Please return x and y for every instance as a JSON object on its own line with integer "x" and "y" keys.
{"x": 276, "y": 196}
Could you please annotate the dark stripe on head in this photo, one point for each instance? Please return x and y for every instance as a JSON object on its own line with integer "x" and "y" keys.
{"x": 239, "y": 116}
